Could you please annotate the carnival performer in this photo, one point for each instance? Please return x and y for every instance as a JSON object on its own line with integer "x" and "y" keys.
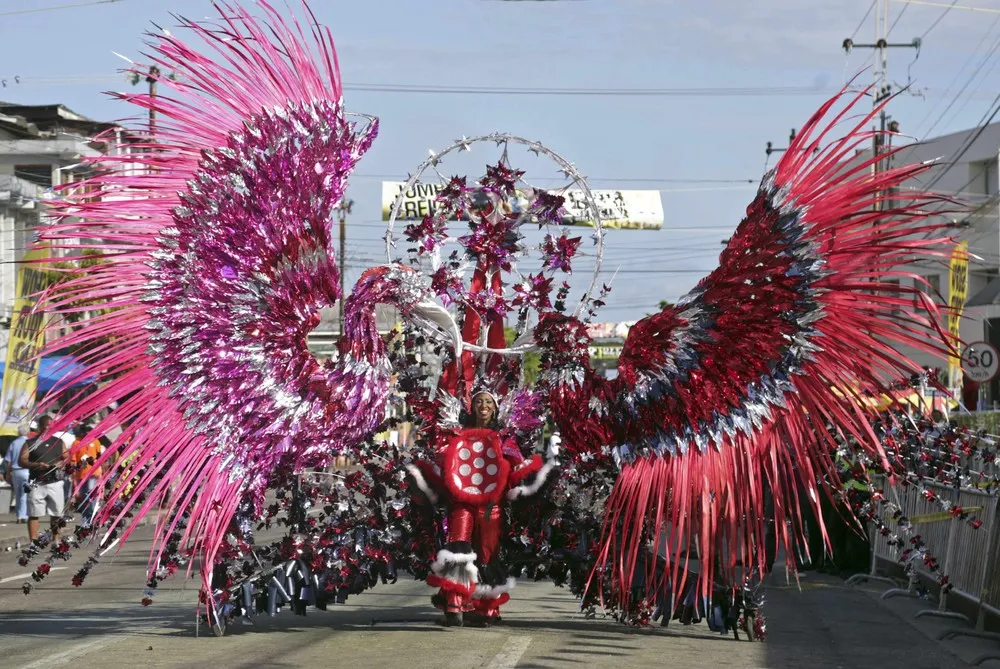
{"x": 218, "y": 266}
{"x": 476, "y": 472}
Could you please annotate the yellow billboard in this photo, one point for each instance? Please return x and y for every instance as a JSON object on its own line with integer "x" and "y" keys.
{"x": 27, "y": 335}
{"x": 958, "y": 291}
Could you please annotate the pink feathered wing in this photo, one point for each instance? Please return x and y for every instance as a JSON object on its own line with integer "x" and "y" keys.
{"x": 735, "y": 386}
{"x": 220, "y": 255}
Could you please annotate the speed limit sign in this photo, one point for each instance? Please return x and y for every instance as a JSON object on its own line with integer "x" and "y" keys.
{"x": 980, "y": 361}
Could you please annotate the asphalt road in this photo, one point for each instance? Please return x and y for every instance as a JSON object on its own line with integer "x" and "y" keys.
{"x": 825, "y": 626}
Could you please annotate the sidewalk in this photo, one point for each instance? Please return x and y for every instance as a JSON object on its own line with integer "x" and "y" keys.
{"x": 11, "y": 533}
{"x": 832, "y": 624}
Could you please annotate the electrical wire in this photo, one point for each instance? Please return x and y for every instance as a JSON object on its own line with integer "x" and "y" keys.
{"x": 863, "y": 19}
{"x": 938, "y": 19}
{"x": 58, "y": 7}
{"x": 968, "y": 61}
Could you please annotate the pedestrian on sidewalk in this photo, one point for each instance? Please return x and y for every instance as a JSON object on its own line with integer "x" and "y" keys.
{"x": 85, "y": 474}
{"x": 16, "y": 475}
{"x": 45, "y": 459}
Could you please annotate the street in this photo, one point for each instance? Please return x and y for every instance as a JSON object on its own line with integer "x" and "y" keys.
{"x": 827, "y": 625}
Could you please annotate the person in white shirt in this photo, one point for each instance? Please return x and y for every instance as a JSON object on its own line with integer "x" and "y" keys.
{"x": 16, "y": 475}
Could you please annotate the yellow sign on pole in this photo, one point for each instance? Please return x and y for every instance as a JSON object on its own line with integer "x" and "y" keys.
{"x": 958, "y": 290}
{"x": 27, "y": 335}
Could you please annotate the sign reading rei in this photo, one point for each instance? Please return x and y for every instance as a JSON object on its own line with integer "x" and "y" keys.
{"x": 619, "y": 209}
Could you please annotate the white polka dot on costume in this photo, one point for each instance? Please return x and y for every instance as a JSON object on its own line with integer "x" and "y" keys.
{"x": 478, "y": 447}
{"x": 491, "y": 487}
{"x": 491, "y": 470}
{"x": 477, "y": 478}
{"x": 491, "y": 453}
{"x": 465, "y": 470}
{"x": 479, "y": 463}
{"x": 464, "y": 454}
{"x": 472, "y": 490}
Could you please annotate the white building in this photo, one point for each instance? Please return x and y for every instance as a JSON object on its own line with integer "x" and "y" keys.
{"x": 41, "y": 147}
{"x": 966, "y": 170}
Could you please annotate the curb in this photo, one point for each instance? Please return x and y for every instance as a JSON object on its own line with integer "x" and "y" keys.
{"x": 9, "y": 545}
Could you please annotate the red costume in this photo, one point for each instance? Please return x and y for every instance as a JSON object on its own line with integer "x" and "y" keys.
{"x": 474, "y": 473}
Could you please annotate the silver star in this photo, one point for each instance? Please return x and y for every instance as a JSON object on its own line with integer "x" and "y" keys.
{"x": 464, "y": 144}
{"x": 434, "y": 160}
{"x": 535, "y": 148}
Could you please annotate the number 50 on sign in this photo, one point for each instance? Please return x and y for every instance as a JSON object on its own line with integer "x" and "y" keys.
{"x": 980, "y": 361}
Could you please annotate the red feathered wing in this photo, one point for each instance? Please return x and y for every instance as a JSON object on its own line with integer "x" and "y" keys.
{"x": 735, "y": 385}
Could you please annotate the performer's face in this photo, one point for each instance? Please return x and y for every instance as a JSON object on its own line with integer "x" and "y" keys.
{"x": 483, "y": 408}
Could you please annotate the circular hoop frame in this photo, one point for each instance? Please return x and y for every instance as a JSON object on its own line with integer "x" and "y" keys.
{"x": 566, "y": 167}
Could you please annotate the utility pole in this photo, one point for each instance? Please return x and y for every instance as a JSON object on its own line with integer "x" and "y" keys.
{"x": 772, "y": 149}
{"x": 883, "y": 89}
{"x": 343, "y": 209}
{"x": 152, "y": 76}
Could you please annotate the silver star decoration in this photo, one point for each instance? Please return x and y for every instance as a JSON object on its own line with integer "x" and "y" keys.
{"x": 535, "y": 148}
{"x": 435, "y": 159}
{"x": 464, "y": 144}
{"x": 570, "y": 172}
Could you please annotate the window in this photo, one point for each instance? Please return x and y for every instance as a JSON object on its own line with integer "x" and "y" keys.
{"x": 932, "y": 288}
{"x": 892, "y": 291}
{"x": 983, "y": 177}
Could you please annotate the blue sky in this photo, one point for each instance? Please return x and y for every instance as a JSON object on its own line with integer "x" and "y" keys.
{"x": 66, "y": 56}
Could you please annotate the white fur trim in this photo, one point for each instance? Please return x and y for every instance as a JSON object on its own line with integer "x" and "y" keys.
{"x": 418, "y": 478}
{"x": 553, "y": 450}
{"x": 494, "y": 591}
{"x": 539, "y": 480}
{"x": 450, "y": 565}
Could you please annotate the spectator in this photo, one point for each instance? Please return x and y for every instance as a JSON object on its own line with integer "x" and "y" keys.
{"x": 16, "y": 475}
{"x": 44, "y": 458}
{"x": 85, "y": 474}
{"x": 69, "y": 440}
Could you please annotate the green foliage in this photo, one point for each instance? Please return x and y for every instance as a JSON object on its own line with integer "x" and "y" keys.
{"x": 983, "y": 420}
{"x": 532, "y": 361}
{"x": 68, "y": 268}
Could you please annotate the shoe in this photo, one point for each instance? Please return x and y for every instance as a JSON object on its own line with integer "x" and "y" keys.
{"x": 453, "y": 619}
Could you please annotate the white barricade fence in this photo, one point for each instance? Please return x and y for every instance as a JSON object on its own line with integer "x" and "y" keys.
{"x": 965, "y": 554}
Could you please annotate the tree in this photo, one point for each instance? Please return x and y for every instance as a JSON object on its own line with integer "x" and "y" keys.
{"x": 532, "y": 362}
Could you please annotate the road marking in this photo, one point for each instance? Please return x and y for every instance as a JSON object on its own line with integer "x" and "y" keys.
{"x": 510, "y": 653}
{"x": 64, "y": 657}
{"x": 18, "y": 577}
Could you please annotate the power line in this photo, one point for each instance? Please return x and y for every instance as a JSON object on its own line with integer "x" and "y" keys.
{"x": 666, "y": 180}
{"x": 938, "y": 19}
{"x": 52, "y": 9}
{"x": 986, "y": 10}
{"x": 966, "y": 64}
{"x": 863, "y": 19}
{"x": 706, "y": 91}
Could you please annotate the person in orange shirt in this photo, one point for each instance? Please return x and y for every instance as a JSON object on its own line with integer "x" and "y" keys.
{"x": 86, "y": 475}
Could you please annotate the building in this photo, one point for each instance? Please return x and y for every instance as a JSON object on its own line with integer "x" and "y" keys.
{"x": 41, "y": 147}
{"x": 966, "y": 169}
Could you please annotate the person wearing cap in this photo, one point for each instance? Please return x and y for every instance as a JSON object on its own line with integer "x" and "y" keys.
{"x": 44, "y": 458}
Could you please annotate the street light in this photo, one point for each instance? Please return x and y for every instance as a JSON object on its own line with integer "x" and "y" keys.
{"x": 343, "y": 209}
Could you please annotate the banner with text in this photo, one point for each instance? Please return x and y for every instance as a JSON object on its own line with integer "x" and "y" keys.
{"x": 27, "y": 335}
{"x": 620, "y": 209}
{"x": 958, "y": 290}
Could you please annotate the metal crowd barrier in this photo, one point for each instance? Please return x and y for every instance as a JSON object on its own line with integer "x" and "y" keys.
{"x": 965, "y": 554}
